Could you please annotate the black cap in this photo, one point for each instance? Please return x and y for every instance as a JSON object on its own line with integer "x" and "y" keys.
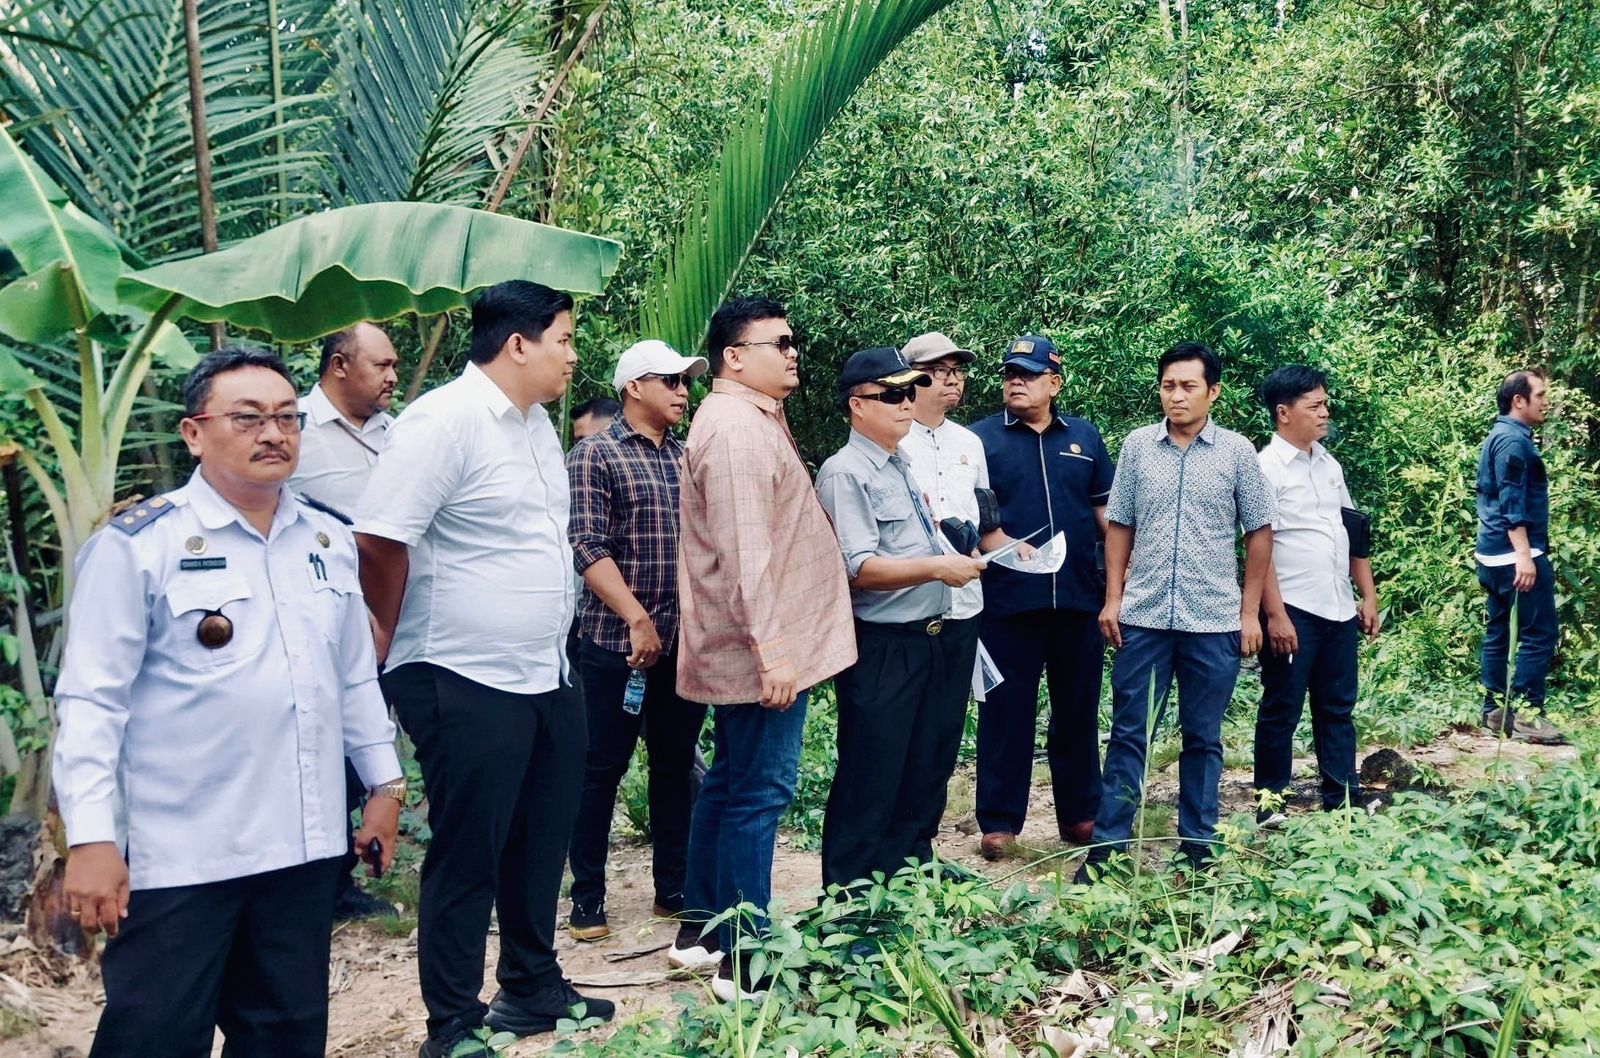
{"x": 1034, "y": 353}
{"x": 883, "y": 365}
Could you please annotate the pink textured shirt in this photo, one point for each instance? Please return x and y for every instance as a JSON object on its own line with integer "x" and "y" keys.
{"x": 760, "y": 576}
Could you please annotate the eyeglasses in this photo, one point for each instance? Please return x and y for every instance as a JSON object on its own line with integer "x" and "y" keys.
{"x": 898, "y": 395}
{"x": 784, "y": 344}
{"x": 945, "y": 372}
{"x": 672, "y": 381}
{"x": 1011, "y": 374}
{"x": 245, "y": 422}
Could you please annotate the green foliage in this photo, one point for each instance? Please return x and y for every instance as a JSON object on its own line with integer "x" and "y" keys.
{"x": 1438, "y": 927}
{"x": 813, "y": 77}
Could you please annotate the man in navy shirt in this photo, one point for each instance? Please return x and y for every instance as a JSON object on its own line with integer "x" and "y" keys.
{"x": 1513, "y": 567}
{"x": 1049, "y": 471}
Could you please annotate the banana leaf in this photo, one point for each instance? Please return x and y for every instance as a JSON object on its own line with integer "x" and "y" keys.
{"x": 72, "y": 260}
{"x": 325, "y": 272}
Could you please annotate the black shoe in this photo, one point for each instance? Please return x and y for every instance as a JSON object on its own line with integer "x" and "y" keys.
{"x": 445, "y": 1046}
{"x": 539, "y": 1012}
{"x": 353, "y": 903}
{"x": 588, "y": 922}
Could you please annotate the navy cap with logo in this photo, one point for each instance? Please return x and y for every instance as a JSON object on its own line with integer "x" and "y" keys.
{"x": 1034, "y": 353}
{"x": 883, "y": 365}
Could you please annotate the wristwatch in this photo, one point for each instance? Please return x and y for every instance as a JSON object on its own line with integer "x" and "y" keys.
{"x": 395, "y": 788}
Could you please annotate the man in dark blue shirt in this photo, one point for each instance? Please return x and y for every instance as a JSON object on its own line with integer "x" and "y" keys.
{"x": 1049, "y": 471}
{"x": 1513, "y": 567}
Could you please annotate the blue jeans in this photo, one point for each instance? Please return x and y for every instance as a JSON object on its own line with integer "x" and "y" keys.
{"x": 1207, "y": 666}
{"x": 735, "y": 825}
{"x": 1538, "y": 629}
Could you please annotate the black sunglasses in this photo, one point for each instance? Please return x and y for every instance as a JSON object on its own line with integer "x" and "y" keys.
{"x": 672, "y": 381}
{"x": 783, "y": 343}
{"x": 898, "y": 395}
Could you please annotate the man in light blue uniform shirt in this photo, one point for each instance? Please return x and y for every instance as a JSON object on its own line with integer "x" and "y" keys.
{"x": 899, "y": 727}
{"x": 218, "y": 672}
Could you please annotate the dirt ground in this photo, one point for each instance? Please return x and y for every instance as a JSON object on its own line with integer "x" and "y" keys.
{"x": 375, "y": 1010}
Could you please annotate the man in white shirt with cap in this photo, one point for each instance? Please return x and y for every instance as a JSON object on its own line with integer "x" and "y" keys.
{"x": 624, "y": 536}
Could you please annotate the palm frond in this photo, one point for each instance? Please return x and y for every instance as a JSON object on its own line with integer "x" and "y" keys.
{"x": 423, "y": 89}
{"x": 111, "y": 122}
{"x": 814, "y": 76}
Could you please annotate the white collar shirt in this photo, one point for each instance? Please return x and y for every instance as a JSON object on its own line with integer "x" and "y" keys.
{"x": 1310, "y": 548}
{"x": 207, "y": 764}
{"x": 478, "y": 492}
{"x": 948, "y": 464}
{"x": 336, "y": 456}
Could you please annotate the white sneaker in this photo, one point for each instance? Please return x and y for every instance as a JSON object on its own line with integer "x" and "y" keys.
{"x": 725, "y": 990}
{"x": 695, "y": 958}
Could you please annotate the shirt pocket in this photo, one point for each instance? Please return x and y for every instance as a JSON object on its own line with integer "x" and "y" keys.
{"x": 332, "y": 587}
{"x": 889, "y": 504}
{"x": 193, "y": 598}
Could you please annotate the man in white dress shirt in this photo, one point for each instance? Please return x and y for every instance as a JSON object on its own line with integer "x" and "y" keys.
{"x": 347, "y": 422}
{"x": 464, "y": 555}
{"x": 1313, "y": 620}
{"x": 218, "y": 672}
{"x": 347, "y": 416}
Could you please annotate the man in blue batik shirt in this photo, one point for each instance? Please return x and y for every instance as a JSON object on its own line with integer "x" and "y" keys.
{"x": 1513, "y": 567}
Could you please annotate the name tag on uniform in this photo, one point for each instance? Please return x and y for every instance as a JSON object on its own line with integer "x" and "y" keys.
{"x": 220, "y": 562}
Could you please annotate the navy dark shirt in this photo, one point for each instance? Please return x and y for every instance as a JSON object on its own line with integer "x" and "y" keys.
{"x": 1052, "y": 480}
{"x": 1512, "y": 489}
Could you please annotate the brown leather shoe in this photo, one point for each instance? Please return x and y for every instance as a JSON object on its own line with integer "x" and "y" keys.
{"x": 997, "y": 845}
{"x": 1079, "y": 833}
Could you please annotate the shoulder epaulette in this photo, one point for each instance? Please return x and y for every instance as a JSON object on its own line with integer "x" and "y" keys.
{"x": 136, "y": 518}
{"x": 318, "y": 505}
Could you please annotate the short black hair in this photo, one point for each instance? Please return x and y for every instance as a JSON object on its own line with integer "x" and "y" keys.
{"x": 1288, "y": 384}
{"x": 1518, "y": 384}
{"x": 197, "y": 387}
{"x": 599, "y": 407}
{"x": 513, "y": 307}
{"x": 730, "y": 320}
{"x": 336, "y": 343}
{"x": 1192, "y": 350}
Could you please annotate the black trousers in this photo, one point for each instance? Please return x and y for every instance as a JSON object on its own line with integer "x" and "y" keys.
{"x": 502, "y": 773}
{"x": 671, "y": 729}
{"x": 1067, "y": 647}
{"x": 248, "y": 955}
{"x": 1324, "y": 667}
{"x": 902, "y": 707}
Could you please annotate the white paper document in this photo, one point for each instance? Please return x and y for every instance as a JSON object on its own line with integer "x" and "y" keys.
{"x": 1047, "y": 559}
{"x": 985, "y": 674}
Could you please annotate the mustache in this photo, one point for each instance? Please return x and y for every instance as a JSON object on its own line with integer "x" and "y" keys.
{"x": 269, "y": 451}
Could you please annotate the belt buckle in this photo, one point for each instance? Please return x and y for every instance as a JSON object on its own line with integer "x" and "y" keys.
{"x": 935, "y": 626}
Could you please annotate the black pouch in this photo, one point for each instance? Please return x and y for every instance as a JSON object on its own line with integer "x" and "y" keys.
{"x": 1358, "y": 527}
{"x": 988, "y": 511}
{"x": 962, "y": 536}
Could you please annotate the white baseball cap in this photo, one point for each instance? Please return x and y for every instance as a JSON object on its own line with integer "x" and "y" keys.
{"x": 654, "y": 357}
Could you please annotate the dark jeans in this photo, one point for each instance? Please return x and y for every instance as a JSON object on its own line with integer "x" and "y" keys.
{"x": 1067, "y": 646}
{"x": 1538, "y": 629}
{"x": 671, "y": 729}
{"x": 248, "y": 955}
{"x": 503, "y": 773}
{"x": 902, "y": 707}
{"x": 1206, "y": 665}
{"x": 1325, "y": 666}
{"x": 750, "y": 784}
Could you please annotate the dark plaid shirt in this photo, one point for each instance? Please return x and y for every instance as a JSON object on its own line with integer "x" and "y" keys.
{"x": 625, "y": 508}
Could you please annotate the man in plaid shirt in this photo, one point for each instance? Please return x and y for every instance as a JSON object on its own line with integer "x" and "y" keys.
{"x": 624, "y": 535}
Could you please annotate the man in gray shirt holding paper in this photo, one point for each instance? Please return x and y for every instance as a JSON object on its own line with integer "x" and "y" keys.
{"x": 903, "y": 703}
